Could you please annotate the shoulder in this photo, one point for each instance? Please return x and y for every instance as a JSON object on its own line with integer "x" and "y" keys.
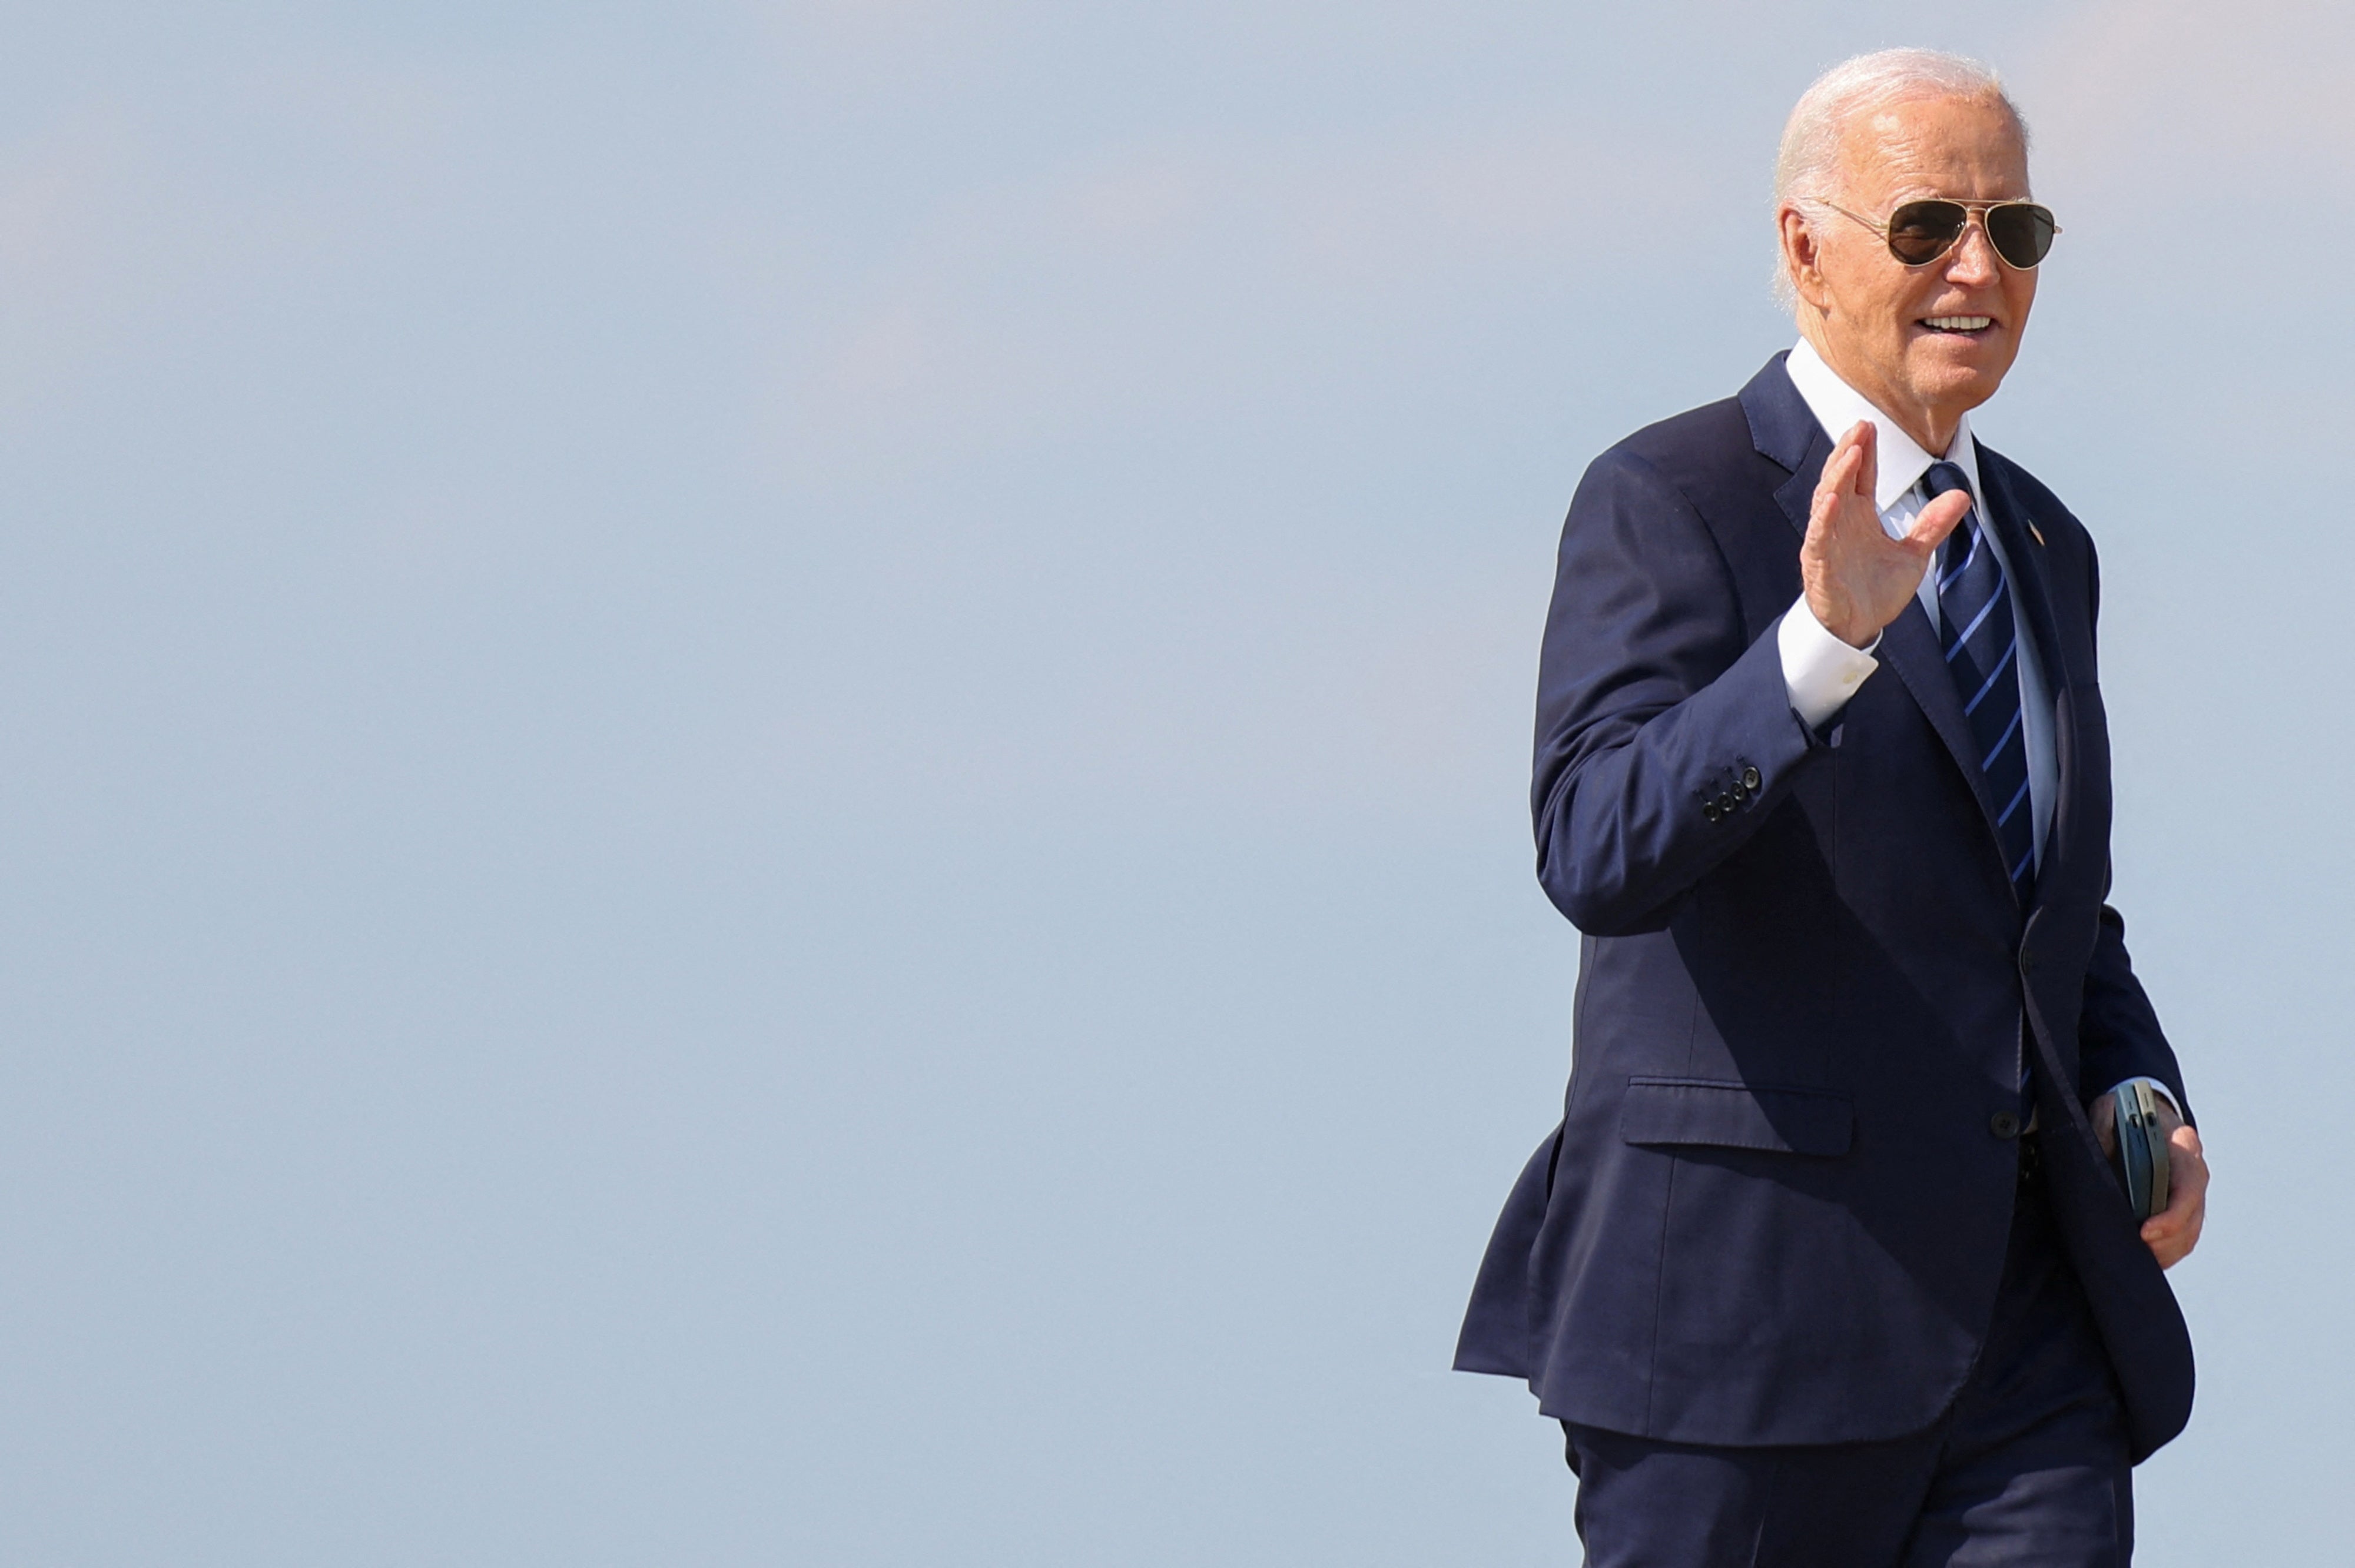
{"x": 1692, "y": 448}
{"x": 1704, "y": 458}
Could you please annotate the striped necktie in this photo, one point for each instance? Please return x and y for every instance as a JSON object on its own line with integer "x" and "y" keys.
{"x": 1982, "y": 647}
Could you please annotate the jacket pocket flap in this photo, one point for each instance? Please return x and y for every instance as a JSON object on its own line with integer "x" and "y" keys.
{"x": 1736, "y": 1116}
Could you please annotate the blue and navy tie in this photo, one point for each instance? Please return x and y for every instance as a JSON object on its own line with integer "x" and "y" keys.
{"x": 1982, "y": 646}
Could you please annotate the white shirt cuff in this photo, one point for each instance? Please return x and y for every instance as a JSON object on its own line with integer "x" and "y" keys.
{"x": 2161, "y": 1090}
{"x": 1820, "y": 672}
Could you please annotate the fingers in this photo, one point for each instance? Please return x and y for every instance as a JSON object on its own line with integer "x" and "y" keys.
{"x": 1938, "y": 519}
{"x": 1853, "y": 460}
{"x": 2171, "y": 1236}
{"x": 1839, "y": 477}
{"x": 1847, "y": 478}
{"x": 1856, "y": 577}
{"x": 2187, "y": 1166}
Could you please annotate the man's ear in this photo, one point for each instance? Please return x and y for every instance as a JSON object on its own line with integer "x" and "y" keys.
{"x": 1803, "y": 257}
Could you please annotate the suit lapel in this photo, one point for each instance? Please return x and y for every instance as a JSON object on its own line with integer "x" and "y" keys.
{"x": 1910, "y": 647}
{"x": 2026, "y": 558}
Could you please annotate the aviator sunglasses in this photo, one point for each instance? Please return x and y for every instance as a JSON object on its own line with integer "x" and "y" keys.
{"x": 1919, "y": 232}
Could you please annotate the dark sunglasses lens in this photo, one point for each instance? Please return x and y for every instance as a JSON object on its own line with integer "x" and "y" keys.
{"x": 1923, "y": 231}
{"x": 2022, "y": 232}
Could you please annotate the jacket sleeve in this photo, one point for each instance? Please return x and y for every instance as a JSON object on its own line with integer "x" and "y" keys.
{"x": 1665, "y": 737}
{"x": 2118, "y": 1036}
{"x": 2118, "y": 1033}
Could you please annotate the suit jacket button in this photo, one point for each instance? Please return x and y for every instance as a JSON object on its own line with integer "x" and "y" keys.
{"x": 1709, "y": 810}
{"x": 2003, "y": 1124}
{"x": 1724, "y": 805}
{"x": 1750, "y": 778}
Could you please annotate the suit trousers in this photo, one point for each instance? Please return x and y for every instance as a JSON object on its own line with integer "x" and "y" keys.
{"x": 2028, "y": 1468}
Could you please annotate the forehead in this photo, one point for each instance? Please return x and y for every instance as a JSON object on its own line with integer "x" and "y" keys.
{"x": 1934, "y": 146}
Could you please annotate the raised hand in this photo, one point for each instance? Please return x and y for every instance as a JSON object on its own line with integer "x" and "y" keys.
{"x": 1858, "y": 579}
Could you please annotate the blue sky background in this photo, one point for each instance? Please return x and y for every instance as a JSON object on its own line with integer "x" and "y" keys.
{"x": 764, "y": 763}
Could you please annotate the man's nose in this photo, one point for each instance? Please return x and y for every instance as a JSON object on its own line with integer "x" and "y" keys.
{"x": 1973, "y": 259}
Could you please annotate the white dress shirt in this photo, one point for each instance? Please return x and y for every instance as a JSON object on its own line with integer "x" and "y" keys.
{"x": 1822, "y": 673}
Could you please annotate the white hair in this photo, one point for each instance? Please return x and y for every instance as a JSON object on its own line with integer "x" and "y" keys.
{"x": 1807, "y": 166}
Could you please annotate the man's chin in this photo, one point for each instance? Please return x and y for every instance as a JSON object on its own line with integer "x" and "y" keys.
{"x": 1961, "y": 373}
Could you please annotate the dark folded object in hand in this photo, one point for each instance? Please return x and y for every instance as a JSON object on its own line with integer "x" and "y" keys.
{"x": 2141, "y": 1157}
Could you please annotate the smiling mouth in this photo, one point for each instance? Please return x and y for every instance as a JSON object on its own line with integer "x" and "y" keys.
{"x": 1965, "y": 325}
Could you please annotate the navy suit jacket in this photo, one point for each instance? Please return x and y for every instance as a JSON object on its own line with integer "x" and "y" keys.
{"x": 1777, "y": 1205}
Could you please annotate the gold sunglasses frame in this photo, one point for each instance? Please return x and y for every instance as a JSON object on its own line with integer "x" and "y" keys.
{"x": 1973, "y": 212}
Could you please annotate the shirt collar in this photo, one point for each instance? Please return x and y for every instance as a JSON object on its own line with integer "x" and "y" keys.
{"x": 1837, "y": 406}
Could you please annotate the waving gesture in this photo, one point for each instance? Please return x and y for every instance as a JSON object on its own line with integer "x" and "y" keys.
{"x": 1857, "y": 578}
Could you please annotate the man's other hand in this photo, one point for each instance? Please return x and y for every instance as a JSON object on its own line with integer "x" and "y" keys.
{"x": 1857, "y": 578}
{"x": 2170, "y": 1234}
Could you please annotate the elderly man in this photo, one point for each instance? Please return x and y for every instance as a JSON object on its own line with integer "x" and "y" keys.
{"x": 1826, "y": 1265}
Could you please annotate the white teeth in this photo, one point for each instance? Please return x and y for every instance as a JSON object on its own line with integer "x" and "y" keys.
{"x": 1961, "y": 324}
